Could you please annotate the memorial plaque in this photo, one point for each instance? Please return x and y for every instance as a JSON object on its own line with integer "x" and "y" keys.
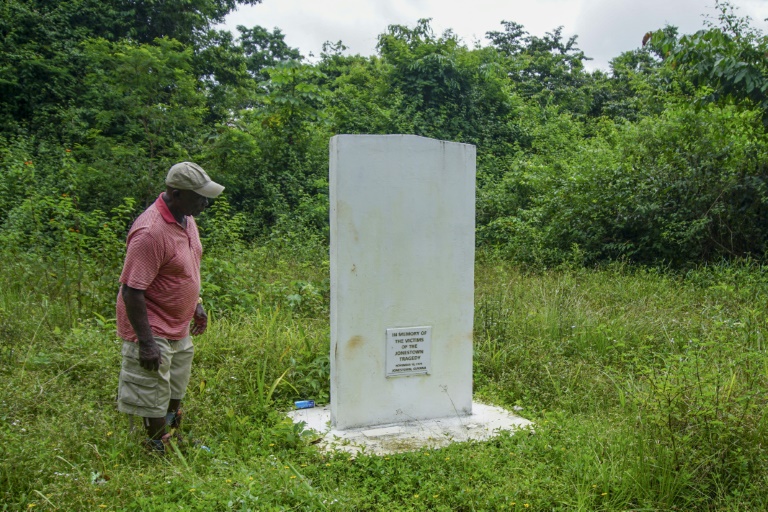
{"x": 408, "y": 351}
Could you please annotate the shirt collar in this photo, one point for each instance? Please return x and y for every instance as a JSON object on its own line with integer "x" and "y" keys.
{"x": 164, "y": 211}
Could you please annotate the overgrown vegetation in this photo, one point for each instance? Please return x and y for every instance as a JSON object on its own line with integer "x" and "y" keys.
{"x": 621, "y": 278}
{"x": 647, "y": 389}
{"x": 660, "y": 161}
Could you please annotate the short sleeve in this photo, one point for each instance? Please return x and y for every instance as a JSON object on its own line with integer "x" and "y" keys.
{"x": 143, "y": 259}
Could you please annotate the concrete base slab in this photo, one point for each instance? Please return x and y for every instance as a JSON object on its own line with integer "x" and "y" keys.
{"x": 485, "y": 422}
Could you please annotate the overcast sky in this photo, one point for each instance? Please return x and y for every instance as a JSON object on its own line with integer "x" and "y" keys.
{"x": 605, "y": 28}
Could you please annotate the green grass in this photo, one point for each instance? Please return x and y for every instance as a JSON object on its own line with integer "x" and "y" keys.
{"x": 648, "y": 389}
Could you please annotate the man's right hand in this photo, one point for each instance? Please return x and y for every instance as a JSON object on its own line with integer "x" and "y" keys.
{"x": 150, "y": 356}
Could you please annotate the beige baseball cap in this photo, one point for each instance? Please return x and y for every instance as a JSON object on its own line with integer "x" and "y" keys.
{"x": 190, "y": 176}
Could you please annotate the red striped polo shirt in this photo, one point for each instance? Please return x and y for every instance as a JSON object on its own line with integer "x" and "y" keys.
{"x": 163, "y": 259}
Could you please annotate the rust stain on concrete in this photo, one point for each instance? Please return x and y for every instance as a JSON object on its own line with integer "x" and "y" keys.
{"x": 355, "y": 342}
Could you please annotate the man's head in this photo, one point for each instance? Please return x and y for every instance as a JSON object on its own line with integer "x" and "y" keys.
{"x": 190, "y": 176}
{"x": 189, "y": 188}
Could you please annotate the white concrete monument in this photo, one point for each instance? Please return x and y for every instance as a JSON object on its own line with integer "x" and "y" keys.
{"x": 402, "y": 279}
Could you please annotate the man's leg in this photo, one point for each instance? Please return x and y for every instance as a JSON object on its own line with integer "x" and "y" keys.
{"x": 173, "y": 417}
{"x": 181, "y": 369}
{"x": 146, "y": 393}
{"x": 155, "y": 427}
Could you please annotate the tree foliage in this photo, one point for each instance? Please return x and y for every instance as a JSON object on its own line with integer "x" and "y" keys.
{"x": 659, "y": 159}
{"x": 728, "y": 58}
{"x": 547, "y": 69}
{"x": 264, "y": 49}
{"x": 41, "y": 62}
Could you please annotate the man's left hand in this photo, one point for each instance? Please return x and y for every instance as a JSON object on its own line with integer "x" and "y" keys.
{"x": 200, "y": 320}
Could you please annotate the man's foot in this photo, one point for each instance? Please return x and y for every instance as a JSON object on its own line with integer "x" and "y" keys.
{"x": 158, "y": 446}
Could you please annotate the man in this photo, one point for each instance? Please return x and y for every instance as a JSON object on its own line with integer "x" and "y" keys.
{"x": 158, "y": 298}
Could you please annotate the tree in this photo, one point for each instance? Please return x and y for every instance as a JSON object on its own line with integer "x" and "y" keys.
{"x": 221, "y": 68}
{"x": 274, "y": 154}
{"x": 639, "y": 85}
{"x": 438, "y": 88}
{"x": 549, "y": 69}
{"x": 183, "y": 20}
{"x": 141, "y": 112}
{"x": 40, "y": 59}
{"x": 264, "y": 49}
{"x": 360, "y": 99}
{"x": 729, "y": 60}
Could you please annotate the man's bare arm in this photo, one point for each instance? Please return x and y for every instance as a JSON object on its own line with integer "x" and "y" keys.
{"x": 150, "y": 356}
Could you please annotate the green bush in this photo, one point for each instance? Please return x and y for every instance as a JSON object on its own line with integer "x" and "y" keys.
{"x": 683, "y": 187}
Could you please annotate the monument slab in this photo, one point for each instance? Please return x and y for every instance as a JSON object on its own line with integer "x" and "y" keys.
{"x": 402, "y": 278}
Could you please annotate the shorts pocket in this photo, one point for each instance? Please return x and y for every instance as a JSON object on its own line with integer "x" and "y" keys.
{"x": 137, "y": 390}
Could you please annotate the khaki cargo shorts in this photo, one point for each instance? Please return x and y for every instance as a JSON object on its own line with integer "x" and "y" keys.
{"x": 146, "y": 393}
